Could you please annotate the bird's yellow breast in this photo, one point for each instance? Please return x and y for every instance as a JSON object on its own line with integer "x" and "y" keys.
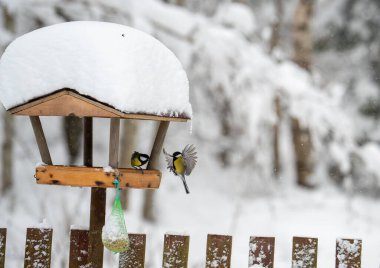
{"x": 135, "y": 162}
{"x": 179, "y": 166}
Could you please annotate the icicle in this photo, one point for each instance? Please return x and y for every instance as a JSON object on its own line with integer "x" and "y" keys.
{"x": 190, "y": 126}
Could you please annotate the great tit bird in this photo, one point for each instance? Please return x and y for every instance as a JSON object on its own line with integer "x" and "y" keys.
{"x": 138, "y": 160}
{"x": 182, "y": 164}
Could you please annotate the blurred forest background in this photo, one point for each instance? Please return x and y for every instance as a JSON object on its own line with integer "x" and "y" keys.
{"x": 285, "y": 93}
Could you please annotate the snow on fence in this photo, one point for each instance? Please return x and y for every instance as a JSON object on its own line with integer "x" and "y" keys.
{"x": 176, "y": 250}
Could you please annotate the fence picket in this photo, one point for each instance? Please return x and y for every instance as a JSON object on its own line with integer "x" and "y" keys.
{"x": 176, "y": 251}
{"x": 3, "y": 241}
{"x": 135, "y": 256}
{"x": 305, "y": 252}
{"x": 261, "y": 251}
{"x": 38, "y": 247}
{"x": 218, "y": 252}
{"x": 78, "y": 248}
{"x": 348, "y": 253}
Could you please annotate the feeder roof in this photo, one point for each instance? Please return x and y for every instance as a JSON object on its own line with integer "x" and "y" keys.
{"x": 107, "y": 66}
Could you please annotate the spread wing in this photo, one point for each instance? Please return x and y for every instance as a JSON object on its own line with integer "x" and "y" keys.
{"x": 190, "y": 158}
{"x": 169, "y": 161}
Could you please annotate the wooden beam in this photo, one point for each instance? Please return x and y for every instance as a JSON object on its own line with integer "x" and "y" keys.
{"x": 87, "y": 141}
{"x": 218, "y": 252}
{"x": 97, "y": 177}
{"x": 66, "y": 102}
{"x": 98, "y": 204}
{"x": 134, "y": 257}
{"x": 3, "y": 242}
{"x": 154, "y": 164}
{"x": 113, "y": 156}
{"x": 78, "y": 248}
{"x": 305, "y": 252}
{"x": 157, "y": 146}
{"x": 38, "y": 247}
{"x": 348, "y": 253}
{"x": 176, "y": 251}
{"x": 41, "y": 140}
{"x": 261, "y": 251}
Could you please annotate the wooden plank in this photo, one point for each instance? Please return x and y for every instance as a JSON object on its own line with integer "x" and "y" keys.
{"x": 96, "y": 177}
{"x": 67, "y": 105}
{"x": 67, "y": 102}
{"x": 305, "y": 252}
{"x": 176, "y": 251}
{"x": 218, "y": 252}
{"x": 38, "y": 247}
{"x": 78, "y": 248}
{"x": 35, "y": 102}
{"x": 134, "y": 257}
{"x": 261, "y": 251}
{"x": 41, "y": 140}
{"x": 348, "y": 253}
{"x": 3, "y": 242}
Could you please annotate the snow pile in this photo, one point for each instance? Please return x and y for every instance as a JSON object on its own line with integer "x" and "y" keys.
{"x": 114, "y": 64}
{"x": 237, "y": 16}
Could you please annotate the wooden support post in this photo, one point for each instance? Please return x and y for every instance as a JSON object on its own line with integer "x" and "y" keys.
{"x": 176, "y": 251}
{"x": 261, "y": 251}
{"x": 97, "y": 207}
{"x": 157, "y": 146}
{"x": 134, "y": 257}
{"x": 114, "y": 143}
{"x": 154, "y": 164}
{"x": 348, "y": 253}
{"x": 98, "y": 195}
{"x": 305, "y": 252}
{"x": 78, "y": 248}
{"x": 218, "y": 252}
{"x": 38, "y": 247}
{"x": 41, "y": 140}
{"x": 3, "y": 242}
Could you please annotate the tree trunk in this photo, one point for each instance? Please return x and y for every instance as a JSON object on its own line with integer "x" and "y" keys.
{"x": 276, "y": 138}
{"x": 303, "y": 152}
{"x": 181, "y": 3}
{"x": 7, "y": 153}
{"x": 73, "y": 127}
{"x": 276, "y": 26}
{"x": 303, "y": 44}
{"x": 8, "y": 131}
{"x": 128, "y": 142}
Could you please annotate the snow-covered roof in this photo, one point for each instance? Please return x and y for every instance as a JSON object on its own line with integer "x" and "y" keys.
{"x": 110, "y": 63}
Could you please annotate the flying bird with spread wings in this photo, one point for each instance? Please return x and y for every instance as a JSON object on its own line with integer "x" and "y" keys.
{"x": 182, "y": 164}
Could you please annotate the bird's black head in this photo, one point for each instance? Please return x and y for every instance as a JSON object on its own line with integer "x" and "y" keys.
{"x": 176, "y": 154}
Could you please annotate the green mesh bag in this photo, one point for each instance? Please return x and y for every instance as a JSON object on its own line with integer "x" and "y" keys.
{"x": 114, "y": 234}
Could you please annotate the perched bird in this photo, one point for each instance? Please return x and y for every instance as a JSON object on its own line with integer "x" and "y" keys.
{"x": 182, "y": 164}
{"x": 138, "y": 160}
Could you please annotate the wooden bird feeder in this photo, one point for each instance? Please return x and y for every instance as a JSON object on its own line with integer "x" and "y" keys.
{"x": 37, "y": 74}
{"x": 68, "y": 102}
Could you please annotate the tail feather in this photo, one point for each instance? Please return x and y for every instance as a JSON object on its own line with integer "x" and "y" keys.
{"x": 185, "y": 184}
